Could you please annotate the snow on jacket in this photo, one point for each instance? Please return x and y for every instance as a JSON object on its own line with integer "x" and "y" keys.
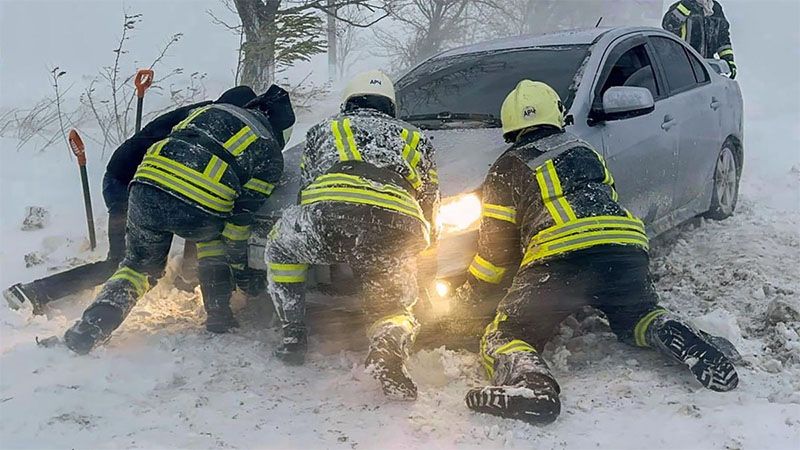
{"x": 221, "y": 158}
{"x": 546, "y": 196}
{"x": 392, "y": 156}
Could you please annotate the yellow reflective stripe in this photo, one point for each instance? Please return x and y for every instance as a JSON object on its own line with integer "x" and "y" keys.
{"x": 683, "y": 31}
{"x": 402, "y": 320}
{"x": 239, "y": 142}
{"x": 337, "y": 137}
{"x": 288, "y": 273}
{"x": 139, "y": 280}
{"x": 210, "y": 249}
{"x": 433, "y": 176}
{"x": 514, "y": 346}
{"x": 175, "y": 168}
{"x": 499, "y": 212}
{"x": 192, "y": 115}
{"x": 684, "y": 10}
{"x": 412, "y": 156}
{"x": 335, "y": 179}
{"x": 351, "y": 140}
{"x": 488, "y": 360}
{"x": 486, "y": 271}
{"x": 235, "y": 232}
{"x": 215, "y": 168}
{"x": 640, "y": 330}
{"x": 552, "y": 194}
{"x": 155, "y": 149}
{"x": 584, "y": 240}
{"x": 260, "y": 186}
{"x": 362, "y": 196}
{"x": 184, "y": 188}
{"x": 725, "y": 53}
{"x": 588, "y": 224}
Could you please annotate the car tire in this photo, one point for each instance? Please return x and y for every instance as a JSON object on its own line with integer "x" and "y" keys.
{"x": 726, "y": 185}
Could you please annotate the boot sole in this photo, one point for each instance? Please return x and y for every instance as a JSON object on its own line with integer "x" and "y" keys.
{"x": 513, "y": 402}
{"x": 707, "y": 363}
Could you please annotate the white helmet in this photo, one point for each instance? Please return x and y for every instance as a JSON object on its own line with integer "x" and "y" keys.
{"x": 373, "y": 82}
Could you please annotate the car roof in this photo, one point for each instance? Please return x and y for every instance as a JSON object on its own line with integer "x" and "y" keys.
{"x": 585, "y": 36}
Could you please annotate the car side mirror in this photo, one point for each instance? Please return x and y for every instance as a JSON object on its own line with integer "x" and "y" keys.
{"x": 624, "y": 102}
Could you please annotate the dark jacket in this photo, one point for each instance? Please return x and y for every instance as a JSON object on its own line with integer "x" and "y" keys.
{"x": 547, "y": 195}
{"x": 389, "y": 162}
{"x": 221, "y": 158}
{"x": 126, "y": 157}
{"x": 709, "y": 35}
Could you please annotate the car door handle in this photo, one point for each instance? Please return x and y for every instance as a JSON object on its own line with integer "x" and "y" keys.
{"x": 715, "y": 104}
{"x": 669, "y": 122}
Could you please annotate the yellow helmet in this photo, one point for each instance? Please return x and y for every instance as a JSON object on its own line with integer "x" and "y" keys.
{"x": 531, "y": 103}
{"x": 373, "y": 82}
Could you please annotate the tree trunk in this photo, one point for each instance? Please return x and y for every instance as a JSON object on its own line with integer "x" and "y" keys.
{"x": 332, "y": 44}
{"x": 260, "y": 32}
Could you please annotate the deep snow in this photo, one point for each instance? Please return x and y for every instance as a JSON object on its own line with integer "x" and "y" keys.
{"x": 163, "y": 382}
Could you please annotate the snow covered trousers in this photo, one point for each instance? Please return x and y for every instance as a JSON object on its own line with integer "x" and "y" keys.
{"x": 383, "y": 259}
{"x": 154, "y": 216}
{"x": 614, "y": 279}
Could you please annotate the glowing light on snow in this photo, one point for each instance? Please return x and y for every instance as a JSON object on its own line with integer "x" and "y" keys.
{"x": 459, "y": 213}
{"x": 442, "y": 288}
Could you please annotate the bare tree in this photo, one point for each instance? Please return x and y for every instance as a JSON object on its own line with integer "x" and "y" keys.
{"x": 428, "y": 27}
{"x": 279, "y": 33}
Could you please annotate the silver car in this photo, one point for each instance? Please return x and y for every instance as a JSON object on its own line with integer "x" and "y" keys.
{"x": 668, "y": 123}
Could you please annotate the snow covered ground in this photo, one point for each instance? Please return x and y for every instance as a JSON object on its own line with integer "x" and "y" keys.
{"x": 163, "y": 382}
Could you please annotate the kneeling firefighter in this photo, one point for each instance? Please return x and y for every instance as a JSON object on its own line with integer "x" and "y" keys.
{"x": 550, "y": 210}
{"x": 369, "y": 199}
{"x": 203, "y": 183}
{"x": 119, "y": 173}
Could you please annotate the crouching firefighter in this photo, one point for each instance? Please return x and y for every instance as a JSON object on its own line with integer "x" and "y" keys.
{"x": 119, "y": 173}
{"x": 550, "y": 210}
{"x": 702, "y": 24}
{"x": 369, "y": 198}
{"x": 203, "y": 183}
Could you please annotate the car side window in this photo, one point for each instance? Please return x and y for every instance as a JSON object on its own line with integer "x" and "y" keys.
{"x": 700, "y": 73}
{"x": 677, "y": 67}
{"x": 633, "y": 68}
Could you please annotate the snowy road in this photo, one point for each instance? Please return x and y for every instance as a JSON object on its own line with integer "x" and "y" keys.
{"x": 164, "y": 383}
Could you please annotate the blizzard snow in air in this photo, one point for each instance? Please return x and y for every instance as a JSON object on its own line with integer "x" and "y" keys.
{"x": 163, "y": 382}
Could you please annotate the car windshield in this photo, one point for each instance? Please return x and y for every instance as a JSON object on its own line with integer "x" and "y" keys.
{"x": 466, "y": 91}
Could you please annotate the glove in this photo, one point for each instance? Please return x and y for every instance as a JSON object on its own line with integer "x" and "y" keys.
{"x": 251, "y": 281}
{"x": 732, "y": 65}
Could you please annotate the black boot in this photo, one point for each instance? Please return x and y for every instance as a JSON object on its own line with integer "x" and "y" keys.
{"x": 293, "y": 347}
{"x": 532, "y": 395}
{"x": 220, "y": 320}
{"x": 682, "y": 342}
{"x": 93, "y": 329}
{"x": 20, "y": 294}
{"x": 386, "y": 362}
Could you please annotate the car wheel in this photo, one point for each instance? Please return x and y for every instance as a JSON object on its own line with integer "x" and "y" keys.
{"x": 726, "y": 185}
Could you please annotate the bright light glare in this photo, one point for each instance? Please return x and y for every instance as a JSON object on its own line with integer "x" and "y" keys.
{"x": 459, "y": 213}
{"x": 442, "y": 288}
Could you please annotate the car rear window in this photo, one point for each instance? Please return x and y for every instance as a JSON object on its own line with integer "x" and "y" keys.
{"x": 478, "y": 83}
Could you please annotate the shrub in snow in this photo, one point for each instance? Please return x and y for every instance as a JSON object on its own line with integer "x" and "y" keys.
{"x": 36, "y": 218}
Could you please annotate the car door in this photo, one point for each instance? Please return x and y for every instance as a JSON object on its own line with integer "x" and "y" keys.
{"x": 640, "y": 151}
{"x": 699, "y": 128}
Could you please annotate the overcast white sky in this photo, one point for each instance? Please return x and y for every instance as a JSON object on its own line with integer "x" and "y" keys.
{"x": 78, "y": 35}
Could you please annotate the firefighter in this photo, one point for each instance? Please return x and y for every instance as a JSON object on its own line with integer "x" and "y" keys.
{"x": 119, "y": 173}
{"x": 702, "y": 24}
{"x": 369, "y": 199}
{"x": 550, "y": 213}
{"x": 203, "y": 183}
